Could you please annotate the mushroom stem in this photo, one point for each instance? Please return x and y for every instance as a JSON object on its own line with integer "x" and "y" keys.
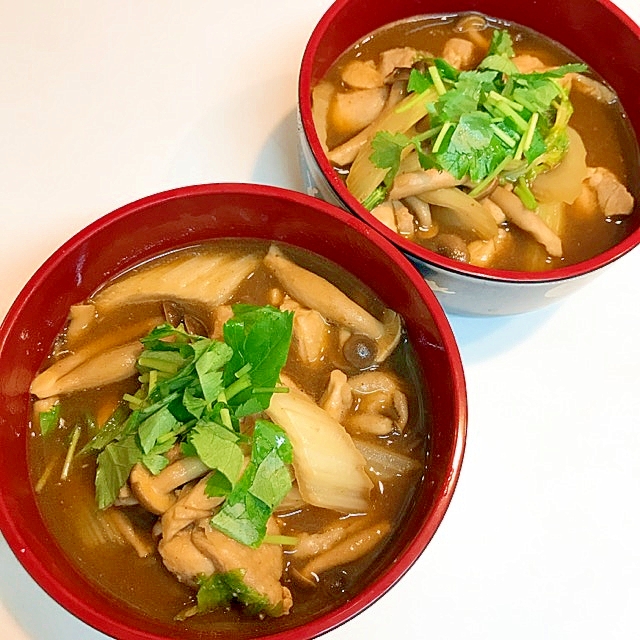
{"x": 317, "y": 293}
{"x": 155, "y": 493}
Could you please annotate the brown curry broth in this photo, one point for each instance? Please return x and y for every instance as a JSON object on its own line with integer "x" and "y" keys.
{"x": 605, "y": 131}
{"x": 144, "y": 584}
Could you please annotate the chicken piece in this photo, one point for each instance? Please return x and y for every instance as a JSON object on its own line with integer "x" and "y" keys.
{"x": 459, "y": 53}
{"x": 362, "y": 74}
{"x": 310, "y": 331}
{"x": 526, "y": 63}
{"x": 613, "y": 197}
{"x": 352, "y": 111}
{"x": 527, "y": 220}
{"x": 592, "y": 88}
{"x": 338, "y": 396}
{"x": 182, "y": 558}
{"x": 483, "y": 252}
{"x": 262, "y": 566}
{"x": 386, "y": 214}
{"x": 219, "y": 316}
{"x": 398, "y": 58}
{"x": 193, "y": 504}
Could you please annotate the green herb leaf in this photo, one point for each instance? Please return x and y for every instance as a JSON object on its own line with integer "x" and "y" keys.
{"x": 114, "y": 466}
{"x": 263, "y": 485}
{"x": 49, "y": 420}
{"x": 260, "y": 337}
{"x": 418, "y": 82}
{"x": 501, "y": 44}
{"x": 218, "y": 448}
{"x": 221, "y": 589}
{"x": 155, "y": 426}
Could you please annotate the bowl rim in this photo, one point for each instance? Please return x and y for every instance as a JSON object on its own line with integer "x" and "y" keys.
{"x": 34, "y": 562}
{"x": 418, "y": 253}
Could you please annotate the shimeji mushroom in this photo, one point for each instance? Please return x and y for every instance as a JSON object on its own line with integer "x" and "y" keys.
{"x": 315, "y": 292}
{"x": 156, "y": 492}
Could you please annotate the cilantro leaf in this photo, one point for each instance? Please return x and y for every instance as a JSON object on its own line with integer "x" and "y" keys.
{"x": 155, "y": 426}
{"x": 501, "y": 44}
{"x": 387, "y": 153}
{"x": 418, "y": 82}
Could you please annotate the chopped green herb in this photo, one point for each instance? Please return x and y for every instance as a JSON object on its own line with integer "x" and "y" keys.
{"x": 263, "y": 485}
{"x": 194, "y": 392}
{"x": 49, "y": 420}
{"x": 483, "y": 117}
{"x": 221, "y": 589}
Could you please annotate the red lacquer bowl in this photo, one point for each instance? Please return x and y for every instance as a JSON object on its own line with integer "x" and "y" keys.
{"x": 595, "y": 30}
{"x": 182, "y": 217}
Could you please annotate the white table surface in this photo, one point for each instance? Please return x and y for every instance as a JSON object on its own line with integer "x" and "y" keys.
{"x": 102, "y": 103}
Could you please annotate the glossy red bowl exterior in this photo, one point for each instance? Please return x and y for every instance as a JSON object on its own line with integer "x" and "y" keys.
{"x": 595, "y": 30}
{"x": 182, "y": 217}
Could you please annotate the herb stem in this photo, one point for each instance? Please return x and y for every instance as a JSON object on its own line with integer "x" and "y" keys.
{"x": 505, "y": 137}
{"x": 494, "y": 174}
{"x": 70, "y": 453}
{"x": 525, "y": 194}
{"x": 236, "y": 387}
{"x": 437, "y": 80}
{"x": 440, "y": 139}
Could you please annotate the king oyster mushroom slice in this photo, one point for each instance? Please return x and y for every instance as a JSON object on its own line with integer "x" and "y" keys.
{"x": 315, "y": 292}
{"x": 206, "y": 278}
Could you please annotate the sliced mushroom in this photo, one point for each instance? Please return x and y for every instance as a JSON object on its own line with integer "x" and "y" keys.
{"x": 379, "y": 404}
{"x": 81, "y": 317}
{"x": 205, "y": 278}
{"x": 347, "y": 550}
{"x": 156, "y": 493}
{"x": 118, "y": 363}
{"x": 417, "y": 182}
{"x": 116, "y": 518}
{"x": 48, "y": 382}
{"x": 192, "y": 504}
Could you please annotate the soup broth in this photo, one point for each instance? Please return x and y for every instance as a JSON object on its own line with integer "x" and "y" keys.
{"x": 130, "y": 566}
{"x": 365, "y": 111}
